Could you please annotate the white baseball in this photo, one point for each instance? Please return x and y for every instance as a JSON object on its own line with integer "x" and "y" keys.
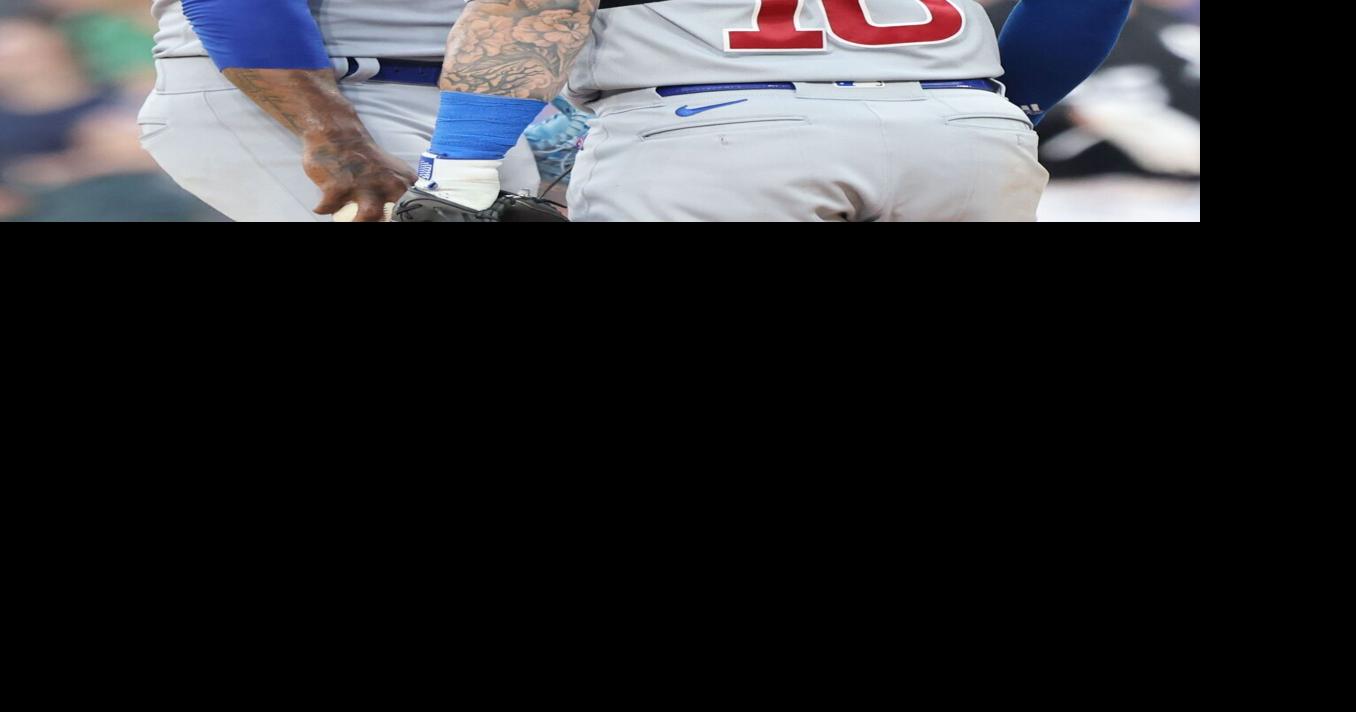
{"x": 349, "y": 212}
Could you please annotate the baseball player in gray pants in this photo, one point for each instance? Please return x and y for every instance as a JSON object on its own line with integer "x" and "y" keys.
{"x": 790, "y": 110}
{"x": 284, "y": 110}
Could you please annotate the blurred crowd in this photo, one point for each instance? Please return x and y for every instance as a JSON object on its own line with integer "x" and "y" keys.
{"x": 1127, "y": 145}
{"x": 73, "y": 73}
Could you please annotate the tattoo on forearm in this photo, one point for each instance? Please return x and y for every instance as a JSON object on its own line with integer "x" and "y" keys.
{"x": 270, "y": 97}
{"x": 303, "y": 101}
{"x": 517, "y": 48}
{"x": 338, "y": 153}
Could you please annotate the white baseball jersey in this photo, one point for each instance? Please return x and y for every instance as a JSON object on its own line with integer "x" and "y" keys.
{"x": 638, "y": 44}
{"x": 393, "y": 29}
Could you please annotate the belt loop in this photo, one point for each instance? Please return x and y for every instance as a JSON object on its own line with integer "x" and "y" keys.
{"x": 355, "y": 70}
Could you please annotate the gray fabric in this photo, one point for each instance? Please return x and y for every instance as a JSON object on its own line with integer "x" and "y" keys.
{"x": 685, "y": 42}
{"x": 396, "y": 29}
{"x": 822, "y": 153}
{"x": 221, "y": 147}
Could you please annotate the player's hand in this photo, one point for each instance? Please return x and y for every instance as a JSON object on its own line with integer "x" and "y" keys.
{"x": 355, "y": 170}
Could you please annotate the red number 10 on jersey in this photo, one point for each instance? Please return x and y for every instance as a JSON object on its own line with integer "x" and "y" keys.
{"x": 777, "y": 27}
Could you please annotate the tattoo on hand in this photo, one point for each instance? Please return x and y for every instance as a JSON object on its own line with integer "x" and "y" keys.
{"x": 517, "y": 48}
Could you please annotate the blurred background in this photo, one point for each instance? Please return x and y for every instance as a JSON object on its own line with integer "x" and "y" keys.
{"x": 73, "y": 73}
{"x": 1127, "y": 145}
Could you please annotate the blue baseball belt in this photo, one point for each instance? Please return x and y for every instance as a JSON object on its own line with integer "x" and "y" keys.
{"x": 401, "y": 71}
{"x": 988, "y": 85}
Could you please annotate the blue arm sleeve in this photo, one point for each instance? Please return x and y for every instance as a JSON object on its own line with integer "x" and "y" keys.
{"x": 258, "y": 34}
{"x": 1051, "y": 46}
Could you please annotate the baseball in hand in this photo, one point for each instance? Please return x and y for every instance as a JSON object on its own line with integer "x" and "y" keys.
{"x": 350, "y": 211}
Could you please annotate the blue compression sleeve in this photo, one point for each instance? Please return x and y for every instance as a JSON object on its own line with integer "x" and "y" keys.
{"x": 481, "y": 127}
{"x": 258, "y": 34}
{"x": 1051, "y": 46}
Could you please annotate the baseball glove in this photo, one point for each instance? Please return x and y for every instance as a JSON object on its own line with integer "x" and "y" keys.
{"x": 423, "y": 206}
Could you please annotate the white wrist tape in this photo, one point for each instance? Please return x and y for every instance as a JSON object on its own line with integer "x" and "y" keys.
{"x": 474, "y": 184}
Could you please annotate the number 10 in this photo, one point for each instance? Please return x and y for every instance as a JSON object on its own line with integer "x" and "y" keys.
{"x": 777, "y": 27}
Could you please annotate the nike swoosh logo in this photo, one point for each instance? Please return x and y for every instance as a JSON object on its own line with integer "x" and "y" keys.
{"x": 684, "y": 111}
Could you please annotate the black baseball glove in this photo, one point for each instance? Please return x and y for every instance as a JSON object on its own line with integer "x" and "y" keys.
{"x": 425, "y": 207}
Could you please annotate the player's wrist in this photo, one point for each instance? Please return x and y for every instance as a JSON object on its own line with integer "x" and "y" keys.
{"x": 480, "y": 126}
{"x": 471, "y": 183}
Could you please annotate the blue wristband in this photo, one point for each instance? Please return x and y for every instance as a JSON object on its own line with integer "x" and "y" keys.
{"x": 480, "y": 127}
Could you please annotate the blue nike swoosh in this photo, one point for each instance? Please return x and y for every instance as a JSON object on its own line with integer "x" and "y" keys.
{"x": 684, "y": 111}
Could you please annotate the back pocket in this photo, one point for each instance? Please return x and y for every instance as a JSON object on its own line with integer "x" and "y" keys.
{"x": 151, "y": 128}
{"x": 697, "y": 128}
{"x": 152, "y": 118}
{"x": 990, "y": 121}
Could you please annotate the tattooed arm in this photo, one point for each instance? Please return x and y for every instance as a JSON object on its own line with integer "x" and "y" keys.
{"x": 516, "y": 48}
{"x": 505, "y": 60}
{"x": 340, "y": 156}
{"x": 275, "y": 52}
